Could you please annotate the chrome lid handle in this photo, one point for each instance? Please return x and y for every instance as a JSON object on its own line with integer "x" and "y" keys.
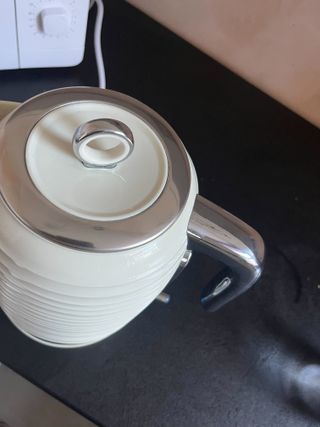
{"x": 102, "y": 143}
{"x": 229, "y": 240}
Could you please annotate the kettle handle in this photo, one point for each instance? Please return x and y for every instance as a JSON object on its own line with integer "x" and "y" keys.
{"x": 222, "y": 236}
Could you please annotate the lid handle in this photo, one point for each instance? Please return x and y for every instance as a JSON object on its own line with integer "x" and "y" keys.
{"x": 102, "y": 143}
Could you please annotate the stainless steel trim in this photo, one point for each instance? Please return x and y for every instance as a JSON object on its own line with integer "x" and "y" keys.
{"x": 185, "y": 259}
{"x": 183, "y": 263}
{"x": 163, "y": 297}
{"x": 58, "y": 226}
{"x": 100, "y": 127}
{"x": 226, "y": 238}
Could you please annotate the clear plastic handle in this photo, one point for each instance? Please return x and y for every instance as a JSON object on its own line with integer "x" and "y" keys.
{"x": 224, "y": 237}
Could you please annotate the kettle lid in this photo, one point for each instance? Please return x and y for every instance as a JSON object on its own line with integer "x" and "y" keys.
{"x": 92, "y": 169}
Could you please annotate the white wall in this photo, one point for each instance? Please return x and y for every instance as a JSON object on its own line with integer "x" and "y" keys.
{"x": 274, "y": 44}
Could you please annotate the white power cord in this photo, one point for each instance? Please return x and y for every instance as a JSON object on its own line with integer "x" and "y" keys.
{"x": 97, "y": 42}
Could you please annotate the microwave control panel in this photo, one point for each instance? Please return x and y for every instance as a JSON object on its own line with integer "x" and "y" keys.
{"x": 42, "y": 33}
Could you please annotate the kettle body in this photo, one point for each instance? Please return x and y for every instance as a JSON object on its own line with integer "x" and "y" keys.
{"x": 63, "y": 291}
{"x": 121, "y": 283}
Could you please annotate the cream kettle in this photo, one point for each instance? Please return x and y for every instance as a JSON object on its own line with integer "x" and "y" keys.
{"x": 99, "y": 210}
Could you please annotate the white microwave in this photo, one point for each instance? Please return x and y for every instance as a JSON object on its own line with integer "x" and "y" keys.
{"x": 42, "y": 33}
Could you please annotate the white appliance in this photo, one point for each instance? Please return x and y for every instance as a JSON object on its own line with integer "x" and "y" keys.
{"x": 42, "y": 33}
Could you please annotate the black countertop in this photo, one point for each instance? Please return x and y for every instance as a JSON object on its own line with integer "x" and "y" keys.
{"x": 256, "y": 362}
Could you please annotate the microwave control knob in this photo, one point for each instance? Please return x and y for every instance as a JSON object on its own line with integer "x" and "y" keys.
{"x": 54, "y": 21}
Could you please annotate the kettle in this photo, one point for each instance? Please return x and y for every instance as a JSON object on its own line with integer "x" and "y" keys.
{"x": 99, "y": 211}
